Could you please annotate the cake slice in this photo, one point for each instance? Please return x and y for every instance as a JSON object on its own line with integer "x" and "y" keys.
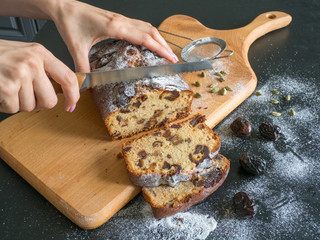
{"x": 166, "y": 201}
{"x": 179, "y": 151}
{"x": 128, "y": 108}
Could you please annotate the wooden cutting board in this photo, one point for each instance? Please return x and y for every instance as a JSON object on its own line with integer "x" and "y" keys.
{"x": 70, "y": 158}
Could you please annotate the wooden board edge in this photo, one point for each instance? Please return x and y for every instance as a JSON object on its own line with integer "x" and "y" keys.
{"x": 85, "y": 221}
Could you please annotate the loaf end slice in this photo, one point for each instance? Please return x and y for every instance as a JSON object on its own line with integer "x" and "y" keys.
{"x": 176, "y": 152}
{"x": 166, "y": 201}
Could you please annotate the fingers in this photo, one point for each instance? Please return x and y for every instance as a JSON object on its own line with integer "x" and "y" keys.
{"x": 9, "y": 102}
{"x": 27, "y": 99}
{"x": 10, "y": 105}
{"x": 24, "y": 84}
{"x": 44, "y": 93}
{"x": 65, "y": 77}
{"x": 145, "y": 34}
{"x": 156, "y": 47}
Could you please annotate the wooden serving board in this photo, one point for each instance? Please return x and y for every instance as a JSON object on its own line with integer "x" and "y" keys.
{"x": 70, "y": 158}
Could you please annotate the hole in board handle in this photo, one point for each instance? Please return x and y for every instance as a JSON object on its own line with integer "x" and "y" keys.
{"x": 271, "y": 16}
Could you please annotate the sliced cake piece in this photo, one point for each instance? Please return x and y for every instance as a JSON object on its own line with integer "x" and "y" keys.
{"x": 135, "y": 106}
{"x": 166, "y": 201}
{"x": 177, "y": 152}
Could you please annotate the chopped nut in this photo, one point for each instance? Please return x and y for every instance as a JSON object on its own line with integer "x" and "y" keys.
{"x": 197, "y": 95}
{"x": 223, "y": 91}
{"x": 292, "y": 112}
{"x": 276, "y": 114}
{"x": 203, "y": 74}
{"x": 220, "y": 76}
{"x": 288, "y": 97}
{"x": 197, "y": 84}
{"x": 213, "y": 85}
{"x": 214, "y": 90}
{"x": 228, "y": 88}
{"x": 274, "y": 101}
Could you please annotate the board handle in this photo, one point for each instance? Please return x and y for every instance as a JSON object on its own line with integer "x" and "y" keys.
{"x": 264, "y": 23}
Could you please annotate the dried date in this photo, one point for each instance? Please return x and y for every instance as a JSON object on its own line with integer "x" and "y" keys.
{"x": 142, "y": 154}
{"x": 243, "y": 205}
{"x": 270, "y": 131}
{"x": 252, "y": 163}
{"x": 241, "y": 127}
{"x": 157, "y": 144}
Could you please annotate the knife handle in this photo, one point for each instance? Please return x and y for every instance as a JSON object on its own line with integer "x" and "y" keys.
{"x": 57, "y": 87}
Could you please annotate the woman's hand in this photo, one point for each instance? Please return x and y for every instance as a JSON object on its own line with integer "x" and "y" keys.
{"x": 24, "y": 82}
{"x": 82, "y": 25}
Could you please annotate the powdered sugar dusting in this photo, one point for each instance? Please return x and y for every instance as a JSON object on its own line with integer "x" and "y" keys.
{"x": 185, "y": 225}
{"x": 282, "y": 194}
{"x": 210, "y": 98}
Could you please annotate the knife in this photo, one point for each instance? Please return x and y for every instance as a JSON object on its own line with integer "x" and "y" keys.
{"x": 93, "y": 79}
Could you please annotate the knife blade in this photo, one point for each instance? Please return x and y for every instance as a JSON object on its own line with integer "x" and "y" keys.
{"x": 94, "y": 79}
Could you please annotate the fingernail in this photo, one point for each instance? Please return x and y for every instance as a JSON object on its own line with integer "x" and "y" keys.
{"x": 72, "y": 108}
{"x": 174, "y": 56}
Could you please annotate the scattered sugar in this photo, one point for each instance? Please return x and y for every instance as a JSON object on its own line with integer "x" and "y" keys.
{"x": 191, "y": 226}
{"x": 287, "y": 195}
{"x": 139, "y": 223}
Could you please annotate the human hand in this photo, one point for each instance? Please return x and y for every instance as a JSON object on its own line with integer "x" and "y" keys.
{"x": 82, "y": 25}
{"x": 24, "y": 82}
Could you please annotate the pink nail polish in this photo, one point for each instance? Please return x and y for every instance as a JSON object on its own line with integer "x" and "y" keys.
{"x": 174, "y": 56}
{"x": 72, "y": 108}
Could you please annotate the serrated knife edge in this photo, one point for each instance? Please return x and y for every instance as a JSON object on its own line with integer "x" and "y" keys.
{"x": 93, "y": 79}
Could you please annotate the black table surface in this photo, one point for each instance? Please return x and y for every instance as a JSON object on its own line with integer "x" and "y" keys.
{"x": 286, "y": 196}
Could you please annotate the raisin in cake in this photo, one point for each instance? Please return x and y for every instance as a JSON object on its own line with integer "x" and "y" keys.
{"x": 135, "y": 106}
{"x": 166, "y": 201}
{"x": 176, "y": 152}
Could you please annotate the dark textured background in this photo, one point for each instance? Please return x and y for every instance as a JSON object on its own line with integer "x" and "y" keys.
{"x": 293, "y": 51}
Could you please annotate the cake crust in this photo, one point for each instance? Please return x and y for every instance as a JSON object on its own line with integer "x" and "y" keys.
{"x": 207, "y": 186}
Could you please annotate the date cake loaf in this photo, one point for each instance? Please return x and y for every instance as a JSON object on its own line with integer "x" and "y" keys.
{"x": 166, "y": 200}
{"x": 140, "y": 105}
{"x": 177, "y": 152}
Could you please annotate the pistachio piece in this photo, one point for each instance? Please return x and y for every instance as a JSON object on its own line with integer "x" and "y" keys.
{"x": 214, "y": 90}
{"x": 203, "y": 74}
{"x": 197, "y": 95}
{"x": 276, "y": 114}
{"x": 220, "y": 76}
{"x": 292, "y": 112}
{"x": 288, "y": 97}
{"x": 213, "y": 85}
{"x": 228, "y": 88}
{"x": 223, "y": 91}
{"x": 198, "y": 84}
{"x": 274, "y": 101}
